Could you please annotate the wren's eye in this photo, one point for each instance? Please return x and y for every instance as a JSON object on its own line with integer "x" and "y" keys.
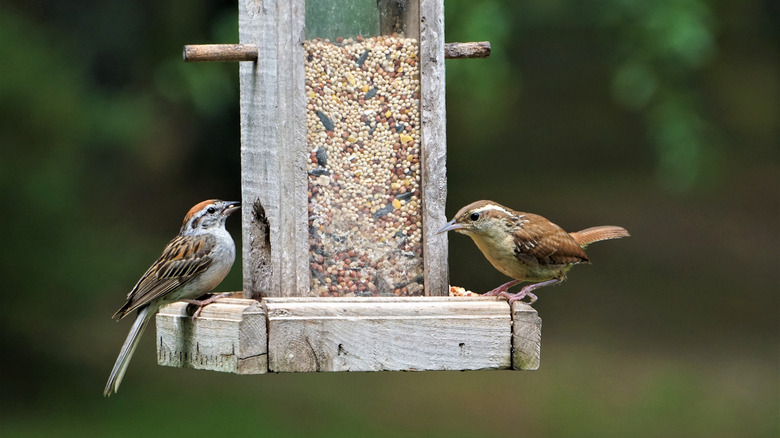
{"x": 211, "y": 210}
{"x": 474, "y": 216}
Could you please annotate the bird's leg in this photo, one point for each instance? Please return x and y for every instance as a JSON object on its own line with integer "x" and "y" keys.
{"x": 501, "y": 289}
{"x": 203, "y": 303}
{"x": 526, "y": 291}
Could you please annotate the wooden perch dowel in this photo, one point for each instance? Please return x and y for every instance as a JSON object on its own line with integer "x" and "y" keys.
{"x": 220, "y": 52}
{"x": 248, "y": 52}
{"x": 479, "y": 49}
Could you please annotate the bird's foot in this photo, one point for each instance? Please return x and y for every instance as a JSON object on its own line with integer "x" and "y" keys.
{"x": 526, "y": 291}
{"x": 519, "y": 296}
{"x": 203, "y": 303}
{"x": 501, "y": 289}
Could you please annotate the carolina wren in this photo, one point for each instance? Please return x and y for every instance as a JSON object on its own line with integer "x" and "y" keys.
{"x": 525, "y": 246}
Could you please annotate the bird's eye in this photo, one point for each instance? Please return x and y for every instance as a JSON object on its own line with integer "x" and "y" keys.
{"x": 211, "y": 210}
{"x": 474, "y": 216}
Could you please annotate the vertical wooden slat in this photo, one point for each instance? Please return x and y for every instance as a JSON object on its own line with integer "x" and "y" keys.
{"x": 526, "y": 337}
{"x": 273, "y": 150}
{"x": 434, "y": 146}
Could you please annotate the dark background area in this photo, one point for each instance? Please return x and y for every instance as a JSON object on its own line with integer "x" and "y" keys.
{"x": 660, "y": 116}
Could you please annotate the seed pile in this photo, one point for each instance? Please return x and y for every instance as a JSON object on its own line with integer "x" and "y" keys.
{"x": 363, "y": 134}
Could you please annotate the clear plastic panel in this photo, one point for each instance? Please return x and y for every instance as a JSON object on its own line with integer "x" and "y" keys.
{"x": 363, "y": 134}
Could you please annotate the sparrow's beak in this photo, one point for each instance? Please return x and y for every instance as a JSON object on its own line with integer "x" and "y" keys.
{"x": 450, "y": 226}
{"x": 231, "y": 207}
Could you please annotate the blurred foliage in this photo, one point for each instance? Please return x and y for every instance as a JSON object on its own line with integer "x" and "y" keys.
{"x": 660, "y": 115}
{"x": 656, "y": 53}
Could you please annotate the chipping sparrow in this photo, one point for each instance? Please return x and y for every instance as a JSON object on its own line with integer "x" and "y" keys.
{"x": 191, "y": 265}
{"x": 525, "y": 246}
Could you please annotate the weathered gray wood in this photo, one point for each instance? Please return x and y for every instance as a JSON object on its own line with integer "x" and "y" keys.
{"x": 526, "y": 337}
{"x": 399, "y": 16}
{"x": 378, "y": 334}
{"x": 228, "y": 336}
{"x": 350, "y": 334}
{"x": 434, "y": 146}
{"x": 219, "y": 52}
{"x": 479, "y": 49}
{"x": 273, "y": 150}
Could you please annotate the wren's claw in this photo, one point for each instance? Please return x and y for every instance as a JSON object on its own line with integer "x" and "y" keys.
{"x": 526, "y": 291}
{"x": 513, "y": 297}
{"x": 501, "y": 289}
{"x": 519, "y": 296}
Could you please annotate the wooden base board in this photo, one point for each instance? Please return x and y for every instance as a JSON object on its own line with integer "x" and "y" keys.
{"x": 350, "y": 334}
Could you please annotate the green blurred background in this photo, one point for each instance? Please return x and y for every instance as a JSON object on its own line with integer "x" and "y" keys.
{"x": 661, "y": 116}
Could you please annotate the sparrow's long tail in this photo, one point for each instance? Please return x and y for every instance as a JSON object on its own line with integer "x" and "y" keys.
{"x": 596, "y": 234}
{"x": 145, "y": 314}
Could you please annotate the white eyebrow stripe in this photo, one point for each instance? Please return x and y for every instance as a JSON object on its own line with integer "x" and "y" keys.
{"x": 493, "y": 207}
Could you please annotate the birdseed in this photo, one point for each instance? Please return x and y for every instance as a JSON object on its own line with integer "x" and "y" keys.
{"x": 363, "y": 135}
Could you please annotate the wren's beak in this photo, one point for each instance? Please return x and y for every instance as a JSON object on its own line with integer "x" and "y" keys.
{"x": 450, "y": 226}
{"x": 231, "y": 207}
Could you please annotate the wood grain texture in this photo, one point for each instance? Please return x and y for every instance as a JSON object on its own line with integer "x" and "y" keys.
{"x": 480, "y": 49}
{"x": 229, "y": 336}
{"x": 351, "y": 334}
{"x": 219, "y": 52}
{"x": 402, "y": 17}
{"x": 433, "y": 146}
{"x": 378, "y": 334}
{"x": 273, "y": 150}
{"x": 526, "y": 337}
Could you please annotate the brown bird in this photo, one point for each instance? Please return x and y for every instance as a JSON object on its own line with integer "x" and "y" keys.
{"x": 191, "y": 265}
{"x": 525, "y": 246}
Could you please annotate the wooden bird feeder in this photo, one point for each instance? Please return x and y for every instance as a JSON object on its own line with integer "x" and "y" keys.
{"x": 343, "y": 153}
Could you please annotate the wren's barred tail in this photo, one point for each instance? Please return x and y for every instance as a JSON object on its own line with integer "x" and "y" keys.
{"x": 597, "y": 234}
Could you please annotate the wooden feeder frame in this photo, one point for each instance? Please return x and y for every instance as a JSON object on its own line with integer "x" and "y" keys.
{"x": 273, "y": 326}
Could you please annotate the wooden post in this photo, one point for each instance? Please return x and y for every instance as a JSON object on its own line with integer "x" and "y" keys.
{"x": 273, "y": 150}
{"x": 434, "y": 146}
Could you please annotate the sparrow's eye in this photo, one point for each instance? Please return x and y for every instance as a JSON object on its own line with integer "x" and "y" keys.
{"x": 474, "y": 216}
{"x": 211, "y": 210}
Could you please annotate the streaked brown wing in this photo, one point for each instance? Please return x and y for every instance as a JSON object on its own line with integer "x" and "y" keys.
{"x": 182, "y": 259}
{"x": 542, "y": 242}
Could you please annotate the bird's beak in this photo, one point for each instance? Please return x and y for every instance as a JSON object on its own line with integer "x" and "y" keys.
{"x": 450, "y": 226}
{"x": 231, "y": 207}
